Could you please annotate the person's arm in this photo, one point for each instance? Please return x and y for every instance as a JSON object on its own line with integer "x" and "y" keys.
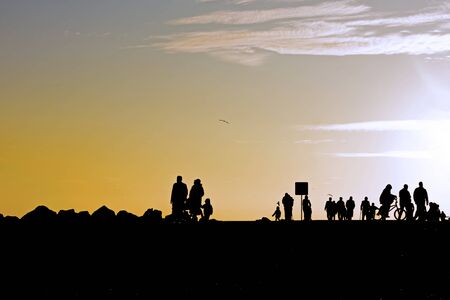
{"x": 426, "y": 197}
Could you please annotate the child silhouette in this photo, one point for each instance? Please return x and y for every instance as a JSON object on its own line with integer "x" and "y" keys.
{"x": 277, "y": 213}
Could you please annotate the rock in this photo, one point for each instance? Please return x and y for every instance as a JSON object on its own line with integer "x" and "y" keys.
{"x": 104, "y": 214}
{"x": 152, "y": 215}
{"x": 126, "y": 217}
{"x": 84, "y": 216}
{"x": 264, "y": 220}
{"x": 69, "y": 214}
{"x": 40, "y": 214}
{"x": 11, "y": 220}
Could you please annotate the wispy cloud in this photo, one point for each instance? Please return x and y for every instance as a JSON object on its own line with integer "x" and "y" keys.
{"x": 337, "y": 28}
{"x": 395, "y": 125}
{"x": 387, "y": 154}
{"x": 228, "y": 1}
{"x": 244, "y": 2}
{"x": 260, "y": 16}
{"x": 247, "y": 58}
{"x": 296, "y": 43}
{"x": 313, "y": 142}
{"x": 136, "y": 46}
{"x": 70, "y": 33}
{"x": 433, "y": 130}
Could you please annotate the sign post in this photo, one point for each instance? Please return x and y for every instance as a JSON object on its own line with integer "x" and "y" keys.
{"x": 301, "y": 189}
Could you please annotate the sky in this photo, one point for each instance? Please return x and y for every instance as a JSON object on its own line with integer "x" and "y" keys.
{"x": 105, "y": 102}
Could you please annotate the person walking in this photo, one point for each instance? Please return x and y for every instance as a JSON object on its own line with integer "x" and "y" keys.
{"x": 195, "y": 199}
{"x": 277, "y": 212}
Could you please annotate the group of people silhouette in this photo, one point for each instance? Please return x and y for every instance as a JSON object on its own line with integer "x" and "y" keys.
{"x": 288, "y": 203}
{"x": 187, "y": 207}
{"x": 388, "y": 203}
{"x": 403, "y": 209}
{"x": 343, "y": 210}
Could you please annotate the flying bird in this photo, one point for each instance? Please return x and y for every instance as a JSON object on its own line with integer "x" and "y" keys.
{"x": 224, "y": 121}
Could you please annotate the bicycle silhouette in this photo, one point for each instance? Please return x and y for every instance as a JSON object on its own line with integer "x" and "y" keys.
{"x": 398, "y": 213}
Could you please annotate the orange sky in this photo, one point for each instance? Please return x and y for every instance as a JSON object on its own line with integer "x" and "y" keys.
{"x": 107, "y": 103}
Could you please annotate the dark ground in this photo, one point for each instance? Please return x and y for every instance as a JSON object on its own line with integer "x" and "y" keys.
{"x": 317, "y": 260}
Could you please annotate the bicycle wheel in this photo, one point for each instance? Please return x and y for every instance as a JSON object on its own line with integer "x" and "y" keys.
{"x": 397, "y": 214}
{"x": 377, "y": 215}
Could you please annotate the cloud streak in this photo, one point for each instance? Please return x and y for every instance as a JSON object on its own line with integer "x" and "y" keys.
{"x": 314, "y": 142}
{"x": 395, "y": 125}
{"x": 341, "y": 8}
{"x": 387, "y": 154}
{"x": 245, "y": 2}
{"x": 337, "y": 28}
{"x": 432, "y": 130}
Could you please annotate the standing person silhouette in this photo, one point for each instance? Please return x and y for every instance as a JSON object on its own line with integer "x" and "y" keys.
{"x": 334, "y": 209}
{"x": 178, "y": 198}
{"x": 329, "y": 208}
{"x": 372, "y": 211}
{"x": 307, "y": 210}
{"x": 350, "y": 206}
{"x": 365, "y": 209}
{"x": 288, "y": 203}
{"x": 195, "y": 199}
{"x": 277, "y": 212}
{"x": 405, "y": 202}
{"x": 341, "y": 210}
{"x": 421, "y": 199}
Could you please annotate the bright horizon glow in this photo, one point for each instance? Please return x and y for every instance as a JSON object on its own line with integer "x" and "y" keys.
{"x": 106, "y": 102}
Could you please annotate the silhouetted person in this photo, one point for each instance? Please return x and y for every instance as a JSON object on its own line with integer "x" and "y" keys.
{"x": 372, "y": 211}
{"x": 277, "y": 212}
{"x": 341, "y": 210}
{"x": 335, "y": 210}
{"x": 405, "y": 201}
{"x": 329, "y": 208}
{"x": 195, "y": 199}
{"x": 443, "y": 216}
{"x": 207, "y": 209}
{"x": 434, "y": 212}
{"x": 288, "y": 203}
{"x": 178, "y": 198}
{"x": 365, "y": 209}
{"x": 350, "y": 205}
{"x": 421, "y": 199}
{"x": 307, "y": 210}
{"x": 386, "y": 199}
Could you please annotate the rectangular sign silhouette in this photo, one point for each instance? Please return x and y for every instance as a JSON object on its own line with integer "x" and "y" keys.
{"x": 301, "y": 188}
